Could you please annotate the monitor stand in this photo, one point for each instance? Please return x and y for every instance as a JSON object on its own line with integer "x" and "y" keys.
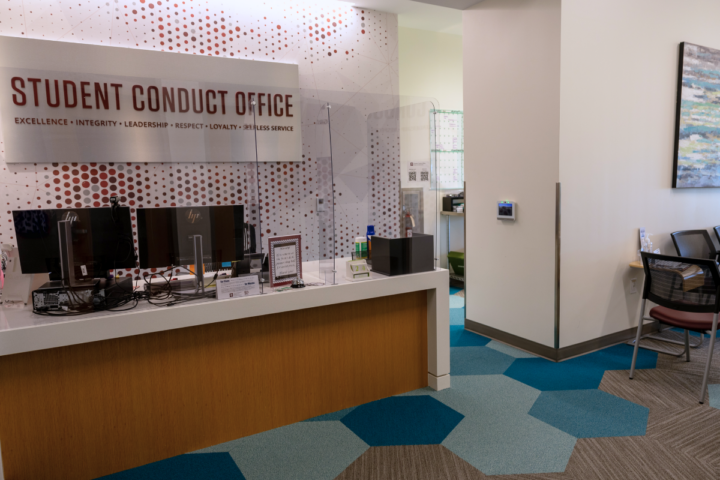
{"x": 199, "y": 274}
{"x": 67, "y": 257}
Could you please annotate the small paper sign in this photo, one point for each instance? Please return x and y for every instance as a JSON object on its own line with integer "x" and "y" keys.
{"x": 238, "y": 287}
{"x": 285, "y": 261}
{"x": 419, "y": 172}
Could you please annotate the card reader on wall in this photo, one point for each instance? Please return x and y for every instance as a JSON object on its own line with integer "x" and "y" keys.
{"x": 506, "y": 210}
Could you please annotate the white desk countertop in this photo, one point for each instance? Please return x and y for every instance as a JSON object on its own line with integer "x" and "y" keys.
{"x": 23, "y": 331}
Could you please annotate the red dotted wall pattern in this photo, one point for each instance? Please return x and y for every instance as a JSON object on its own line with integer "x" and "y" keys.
{"x": 347, "y": 57}
{"x": 384, "y": 193}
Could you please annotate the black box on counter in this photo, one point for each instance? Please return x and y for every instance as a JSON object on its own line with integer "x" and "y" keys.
{"x": 399, "y": 256}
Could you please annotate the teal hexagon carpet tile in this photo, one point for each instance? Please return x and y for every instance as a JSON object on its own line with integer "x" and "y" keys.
{"x": 185, "y": 467}
{"x": 419, "y": 420}
{"x": 508, "y": 414}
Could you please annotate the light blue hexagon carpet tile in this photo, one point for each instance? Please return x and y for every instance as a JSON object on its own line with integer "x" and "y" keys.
{"x": 508, "y": 414}
{"x": 714, "y": 394}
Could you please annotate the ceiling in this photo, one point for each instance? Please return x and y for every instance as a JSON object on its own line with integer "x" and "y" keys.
{"x": 435, "y": 15}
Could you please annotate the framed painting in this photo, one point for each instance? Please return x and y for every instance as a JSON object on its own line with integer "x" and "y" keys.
{"x": 697, "y": 122}
{"x": 285, "y": 259}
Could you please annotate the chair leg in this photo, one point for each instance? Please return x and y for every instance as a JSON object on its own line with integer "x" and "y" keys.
{"x": 687, "y": 346}
{"x": 709, "y": 359}
{"x": 637, "y": 338}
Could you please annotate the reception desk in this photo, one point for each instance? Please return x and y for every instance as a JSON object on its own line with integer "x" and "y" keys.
{"x": 82, "y": 397}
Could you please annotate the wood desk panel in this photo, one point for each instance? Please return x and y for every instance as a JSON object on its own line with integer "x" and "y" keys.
{"x": 89, "y": 410}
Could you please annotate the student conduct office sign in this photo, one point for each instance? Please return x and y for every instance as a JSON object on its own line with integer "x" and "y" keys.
{"x": 64, "y": 102}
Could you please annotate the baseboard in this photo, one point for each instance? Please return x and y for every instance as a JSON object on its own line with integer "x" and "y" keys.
{"x": 513, "y": 340}
{"x": 557, "y": 354}
{"x": 437, "y": 383}
{"x": 603, "y": 342}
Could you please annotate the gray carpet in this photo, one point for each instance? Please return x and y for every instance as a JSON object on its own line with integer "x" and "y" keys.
{"x": 410, "y": 462}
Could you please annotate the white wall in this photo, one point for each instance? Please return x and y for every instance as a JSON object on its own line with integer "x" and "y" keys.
{"x": 512, "y": 120}
{"x": 619, "y": 80}
{"x": 431, "y": 66}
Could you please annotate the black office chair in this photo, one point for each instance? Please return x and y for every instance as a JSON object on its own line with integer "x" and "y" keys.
{"x": 687, "y": 292}
{"x": 694, "y": 244}
{"x": 717, "y": 232}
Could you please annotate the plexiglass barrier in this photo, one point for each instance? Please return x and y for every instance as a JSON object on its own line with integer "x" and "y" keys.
{"x": 383, "y": 166}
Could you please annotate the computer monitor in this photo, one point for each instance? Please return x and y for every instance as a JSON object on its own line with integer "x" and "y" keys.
{"x": 101, "y": 240}
{"x": 166, "y": 235}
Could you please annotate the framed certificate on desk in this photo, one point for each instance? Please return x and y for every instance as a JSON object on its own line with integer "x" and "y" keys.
{"x": 285, "y": 259}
